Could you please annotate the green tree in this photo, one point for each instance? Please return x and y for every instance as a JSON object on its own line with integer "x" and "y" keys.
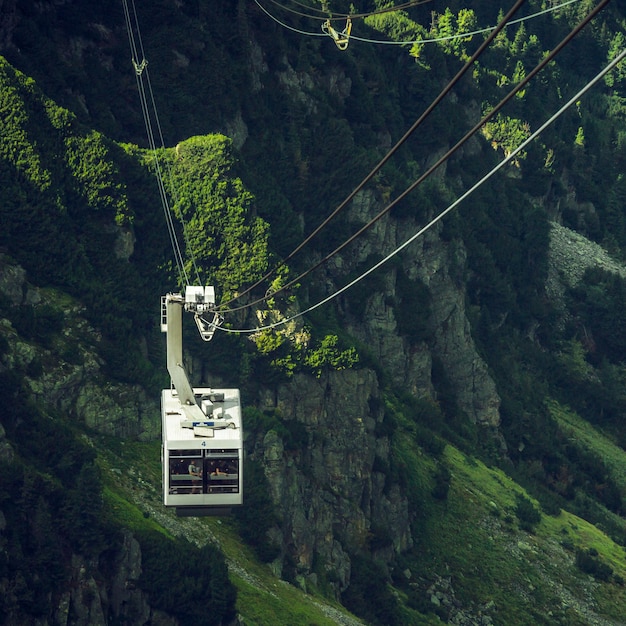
{"x": 617, "y": 77}
{"x": 369, "y": 595}
{"x": 328, "y": 355}
{"x": 528, "y": 515}
{"x": 85, "y": 514}
{"x": 187, "y": 582}
{"x": 220, "y": 228}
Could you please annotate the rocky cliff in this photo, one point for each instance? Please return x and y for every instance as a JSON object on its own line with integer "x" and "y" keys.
{"x": 329, "y": 494}
{"x": 65, "y": 373}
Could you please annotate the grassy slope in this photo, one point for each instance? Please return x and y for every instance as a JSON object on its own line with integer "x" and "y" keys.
{"x": 496, "y": 568}
{"x": 133, "y": 479}
{"x": 525, "y": 574}
{"x": 473, "y": 538}
{"x": 589, "y": 437}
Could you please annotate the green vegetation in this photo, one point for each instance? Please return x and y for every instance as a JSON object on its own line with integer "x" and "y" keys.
{"x": 226, "y": 240}
{"x": 52, "y": 502}
{"x": 176, "y": 573}
{"x": 369, "y": 596}
{"x": 288, "y": 357}
{"x": 492, "y": 526}
{"x": 329, "y": 356}
{"x": 528, "y": 515}
{"x": 497, "y": 558}
{"x": 581, "y": 431}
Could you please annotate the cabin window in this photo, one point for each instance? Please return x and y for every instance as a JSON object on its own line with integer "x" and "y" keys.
{"x": 204, "y": 471}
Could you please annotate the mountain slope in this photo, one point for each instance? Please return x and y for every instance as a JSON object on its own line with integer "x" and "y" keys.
{"x": 409, "y": 451}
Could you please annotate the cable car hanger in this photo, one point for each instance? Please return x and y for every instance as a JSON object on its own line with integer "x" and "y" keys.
{"x": 341, "y": 39}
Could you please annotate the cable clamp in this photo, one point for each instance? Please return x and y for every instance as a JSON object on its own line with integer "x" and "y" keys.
{"x": 341, "y": 39}
{"x": 140, "y": 67}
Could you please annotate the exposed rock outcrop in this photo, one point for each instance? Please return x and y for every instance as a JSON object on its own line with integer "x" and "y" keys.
{"x": 439, "y": 265}
{"x": 452, "y": 341}
{"x": 67, "y": 373}
{"x": 570, "y": 255}
{"x": 330, "y": 495}
{"x": 98, "y": 594}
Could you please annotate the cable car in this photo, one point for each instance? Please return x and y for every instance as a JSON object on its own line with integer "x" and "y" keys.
{"x": 202, "y": 449}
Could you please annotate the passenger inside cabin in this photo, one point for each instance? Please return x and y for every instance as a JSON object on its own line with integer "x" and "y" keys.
{"x": 218, "y": 468}
{"x": 196, "y": 473}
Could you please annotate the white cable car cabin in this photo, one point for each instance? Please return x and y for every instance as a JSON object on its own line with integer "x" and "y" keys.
{"x": 202, "y": 451}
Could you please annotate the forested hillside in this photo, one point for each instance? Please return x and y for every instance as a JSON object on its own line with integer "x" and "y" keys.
{"x": 427, "y": 322}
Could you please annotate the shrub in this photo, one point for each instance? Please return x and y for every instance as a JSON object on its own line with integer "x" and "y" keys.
{"x": 177, "y": 574}
{"x": 368, "y": 594}
{"x": 329, "y": 356}
{"x": 442, "y": 483}
{"x": 526, "y": 513}
{"x": 589, "y": 562}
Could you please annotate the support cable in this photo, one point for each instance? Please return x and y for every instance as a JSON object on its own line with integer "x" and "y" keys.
{"x": 440, "y": 161}
{"x": 145, "y": 88}
{"x": 343, "y": 16}
{"x": 508, "y": 159}
{"x": 291, "y": 28}
{"x": 411, "y": 41}
{"x": 377, "y": 167}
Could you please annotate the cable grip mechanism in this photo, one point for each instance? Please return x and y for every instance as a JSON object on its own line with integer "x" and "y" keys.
{"x": 341, "y": 39}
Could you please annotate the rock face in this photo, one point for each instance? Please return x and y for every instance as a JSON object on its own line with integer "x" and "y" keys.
{"x": 439, "y": 266}
{"x": 452, "y": 340}
{"x": 570, "y": 255}
{"x": 329, "y": 494}
{"x": 331, "y": 497}
{"x": 98, "y": 600}
{"x": 67, "y": 374}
